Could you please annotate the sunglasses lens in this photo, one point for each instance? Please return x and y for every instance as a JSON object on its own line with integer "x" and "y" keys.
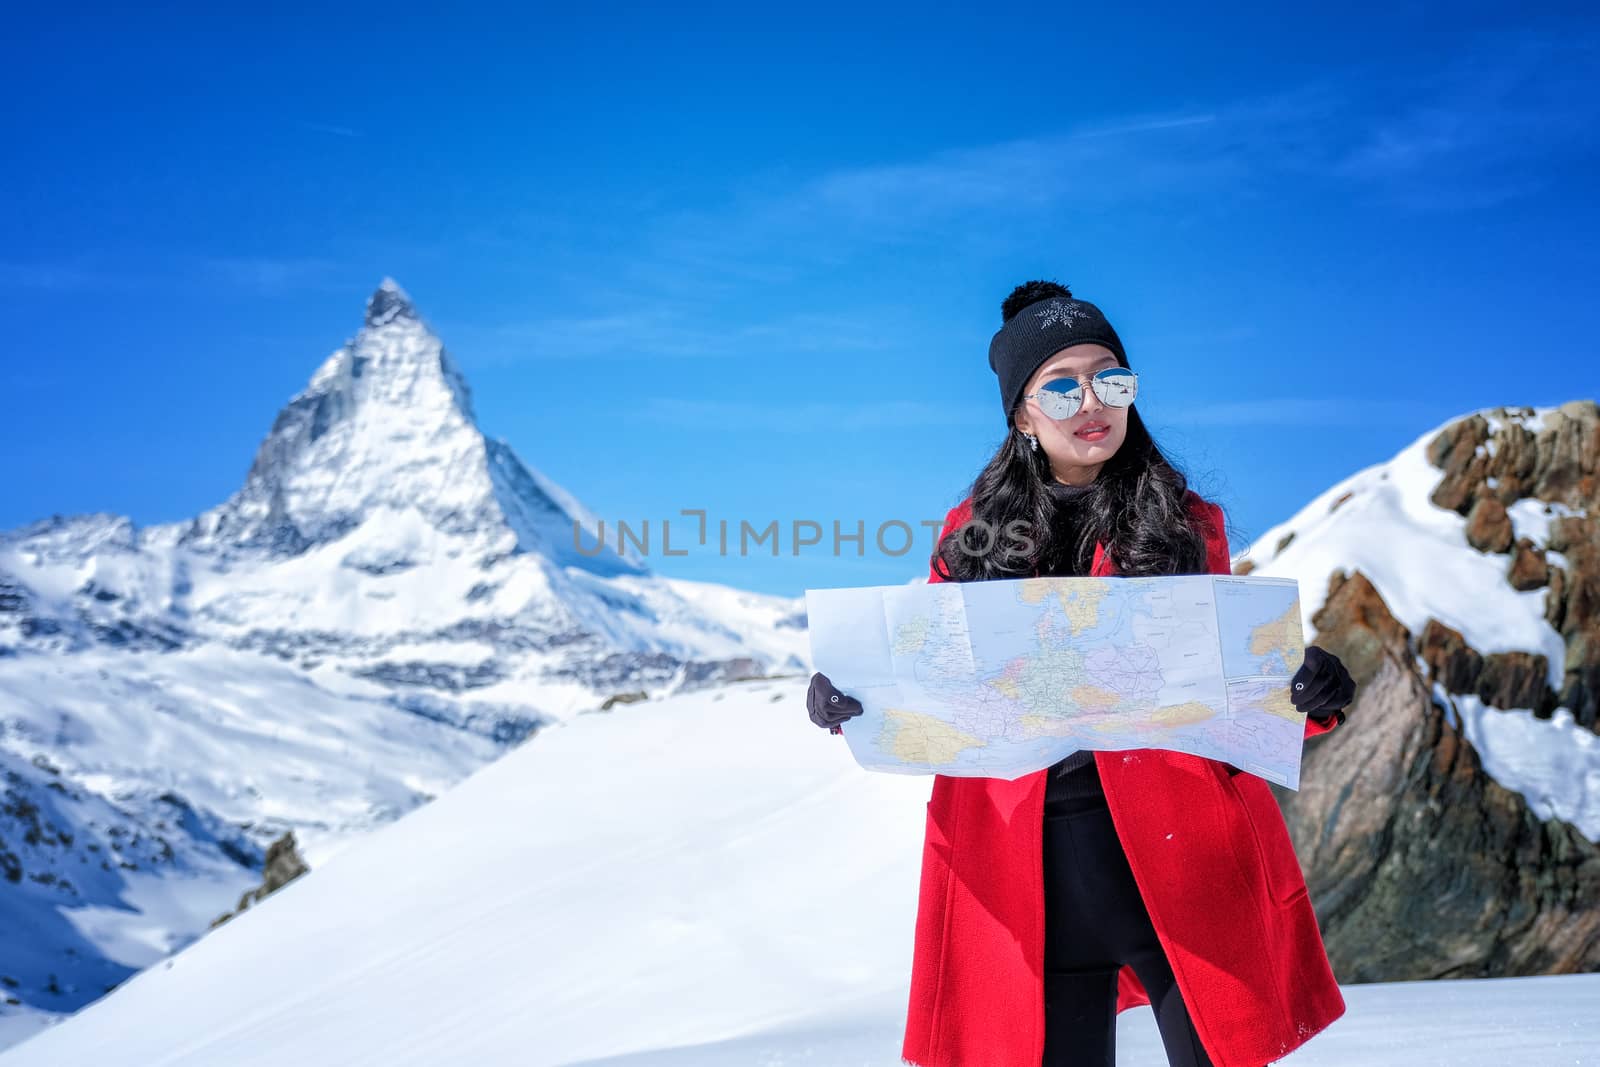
{"x": 1060, "y": 398}
{"x": 1116, "y": 386}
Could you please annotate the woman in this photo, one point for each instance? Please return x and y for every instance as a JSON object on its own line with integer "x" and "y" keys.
{"x": 1050, "y": 903}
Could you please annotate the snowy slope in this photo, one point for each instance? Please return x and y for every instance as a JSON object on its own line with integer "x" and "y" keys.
{"x": 1415, "y": 553}
{"x": 702, "y": 879}
{"x": 391, "y": 600}
{"x": 1381, "y": 522}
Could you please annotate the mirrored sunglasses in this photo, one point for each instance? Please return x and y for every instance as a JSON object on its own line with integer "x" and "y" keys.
{"x": 1060, "y": 398}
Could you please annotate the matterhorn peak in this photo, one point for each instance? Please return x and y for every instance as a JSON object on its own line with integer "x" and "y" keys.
{"x": 385, "y": 427}
{"x": 388, "y": 303}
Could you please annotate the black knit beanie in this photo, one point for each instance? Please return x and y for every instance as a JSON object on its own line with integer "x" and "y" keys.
{"x": 1042, "y": 318}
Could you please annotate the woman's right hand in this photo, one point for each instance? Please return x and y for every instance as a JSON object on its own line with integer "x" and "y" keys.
{"x": 827, "y": 706}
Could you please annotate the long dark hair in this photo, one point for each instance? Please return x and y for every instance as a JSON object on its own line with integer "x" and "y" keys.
{"x": 1135, "y": 506}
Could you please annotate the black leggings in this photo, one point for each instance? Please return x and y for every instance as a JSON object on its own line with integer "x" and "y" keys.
{"x": 1095, "y": 921}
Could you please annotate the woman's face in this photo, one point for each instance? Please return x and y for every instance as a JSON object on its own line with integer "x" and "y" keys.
{"x": 1073, "y": 458}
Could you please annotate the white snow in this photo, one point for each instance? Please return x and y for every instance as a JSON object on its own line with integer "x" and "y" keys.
{"x": 1554, "y": 764}
{"x": 240, "y": 735}
{"x": 705, "y": 879}
{"x": 774, "y": 625}
{"x": 1532, "y": 518}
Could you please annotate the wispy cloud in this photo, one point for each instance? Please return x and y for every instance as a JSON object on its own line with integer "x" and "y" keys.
{"x": 760, "y": 415}
{"x": 659, "y": 329}
{"x": 46, "y": 275}
{"x": 1481, "y": 127}
{"x": 1461, "y": 132}
{"x": 261, "y": 275}
{"x": 682, "y": 286}
{"x": 1472, "y": 130}
{"x": 329, "y": 128}
{"x": 1302, "y": 412}
{"x": 272, "y": 275}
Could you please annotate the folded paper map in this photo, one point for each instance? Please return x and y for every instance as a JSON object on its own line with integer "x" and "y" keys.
{"x": 1003, "y": 678}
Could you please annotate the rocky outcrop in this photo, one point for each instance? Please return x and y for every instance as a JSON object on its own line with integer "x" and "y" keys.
{"x": 1504, "y": 680}
{"x": 1572, "y": 604}
{"x": 283, "y": 865}
{"x": 624, "y": 698}
{"x": 1355, "y": 615}
{"x": 1529, "y": 568}
{"x": 1419, "y": 864}
{"x": 1452, "y": 662}
{"x": 1559, "y": 461}
{"x": 1489, "y": 526}
{"x": 1488, "y": 466}
{"x": 1516, "y": 680}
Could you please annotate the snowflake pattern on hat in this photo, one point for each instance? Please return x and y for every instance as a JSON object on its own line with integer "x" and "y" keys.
{"x": 1062, "y": 311}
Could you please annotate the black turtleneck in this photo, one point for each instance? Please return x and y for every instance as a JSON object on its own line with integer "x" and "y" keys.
{"x": 1064, "y": 524}
{"x": 1061, "y": 491}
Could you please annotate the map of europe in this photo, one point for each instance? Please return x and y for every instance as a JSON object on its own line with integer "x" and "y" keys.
{"x": 1003, "y": 678}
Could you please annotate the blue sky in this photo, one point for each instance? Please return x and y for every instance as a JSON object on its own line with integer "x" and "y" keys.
{"x": 750, "y": 261}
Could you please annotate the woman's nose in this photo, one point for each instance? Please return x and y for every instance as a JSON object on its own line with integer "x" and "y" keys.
{"x": 1091, "y": 399}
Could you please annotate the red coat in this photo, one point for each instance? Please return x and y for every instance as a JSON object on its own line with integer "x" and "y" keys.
{"x": 1213, "y": 861}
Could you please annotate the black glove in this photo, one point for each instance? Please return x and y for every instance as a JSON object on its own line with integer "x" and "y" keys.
{"x": 827, "y": 706}
{"x": 1321, "y": 687}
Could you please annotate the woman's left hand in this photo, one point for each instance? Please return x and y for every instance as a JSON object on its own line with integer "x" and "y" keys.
{"x": 1321, "y": 687}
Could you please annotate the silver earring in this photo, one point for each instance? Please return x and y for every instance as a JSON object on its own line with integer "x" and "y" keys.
{"x": 1033, "y": 442}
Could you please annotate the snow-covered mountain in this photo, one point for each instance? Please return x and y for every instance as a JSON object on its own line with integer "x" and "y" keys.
{"x": 719, "y": 884}
{"x": 1451, "y": 828}
{"x": 391, "y": 600}
{"x": 1424, "y": 561}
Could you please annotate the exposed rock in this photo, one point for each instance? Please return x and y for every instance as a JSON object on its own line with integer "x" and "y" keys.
{"x": 615, "y": 670}
{"x": 1574, "y": 533}
{"x": 1457, "y": 444}
{"x": 1419, "y": 864}
{"x": 1578, "y": 540}
{"x": 1559, "y": 464}
{"x": 283, "y": 865}
{"x": 1580, "y": 689}
{"x": 451, "y": 677}
{"x": 1508, "y": 490}
{"x": 1572, "y": 604}
{"x": 1568, "y": 465}
{"x": 389, "y": 303}
{"x": 1516, "y": 680}
{"x": 1451, "y": 662}
{"x": 1454, "y": 491}
{"x": 1489, "y": 466}
{"x": 1354, "y": 610}
{"x": 1458, "y": 452}
{"x": 1488, "y": 525}
{"x": 1555, "y": 605}
{"x": 1528, "y": 570}
{"x": 13, "y": 594}
{"x": 1503, "y": 680}
{"x": 701, "y": 674}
